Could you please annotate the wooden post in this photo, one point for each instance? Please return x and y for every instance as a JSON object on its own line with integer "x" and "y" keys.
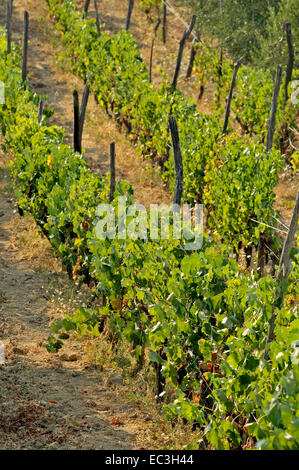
{"x": 230, "y": 95}
{"x": 25, "y": 45}
{"x": 97, "y": 17}
{"x": 112, "y": 171}
{"x": 128, "y": 21}
{"x": 86, "y": 6}
{"x": 179, "y": 179}
{"x": 272, "y": 120}
{"x": 8, "y": 24}
{"x": 164, "y": 22}
{"x": 284, "y": 271}
{"x": 152, "y": 49}
{"x": 180, "y": 53}
{"x": 271, "y": 128}
{"x": 77, "y": 146}
{"x": 192, "y": 55}
{"x": 40, "y": 110}
{"x": 82, "y": 112}
{"x": 290, "y": 61}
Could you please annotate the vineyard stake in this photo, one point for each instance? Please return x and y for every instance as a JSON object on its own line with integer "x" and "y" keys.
{"x": 179, "y": 178}
{"x": 272, "y": 119}
{"x": 86, "y": 6}
{"x": 192, "y": 55}
{"x": 77, "y": 146}
{"x": 152, "y": 49}
{"x": 285, "y": 268}
{"x": 181, "y": 49}
{"x": 290, "y": 61}
{"x": 25, "y": 45}
{"x": 271, "y": 128}
{"x": 128, "y": 21}
{"x": 40, "y": 110}
{"x": 83, "y": 112}
{"x": 97, "y": 17}
{"x": 230, "y": 95}
{"x": 164, "y": 22}
{"x": 112, "y": 171}
{"x": 8, "y": 24}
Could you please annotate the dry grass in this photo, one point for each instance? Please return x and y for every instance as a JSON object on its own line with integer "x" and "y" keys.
{"x": 33, "y": 245}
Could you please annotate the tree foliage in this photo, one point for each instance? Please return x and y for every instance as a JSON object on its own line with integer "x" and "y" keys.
{"x": 253, "y": 29}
